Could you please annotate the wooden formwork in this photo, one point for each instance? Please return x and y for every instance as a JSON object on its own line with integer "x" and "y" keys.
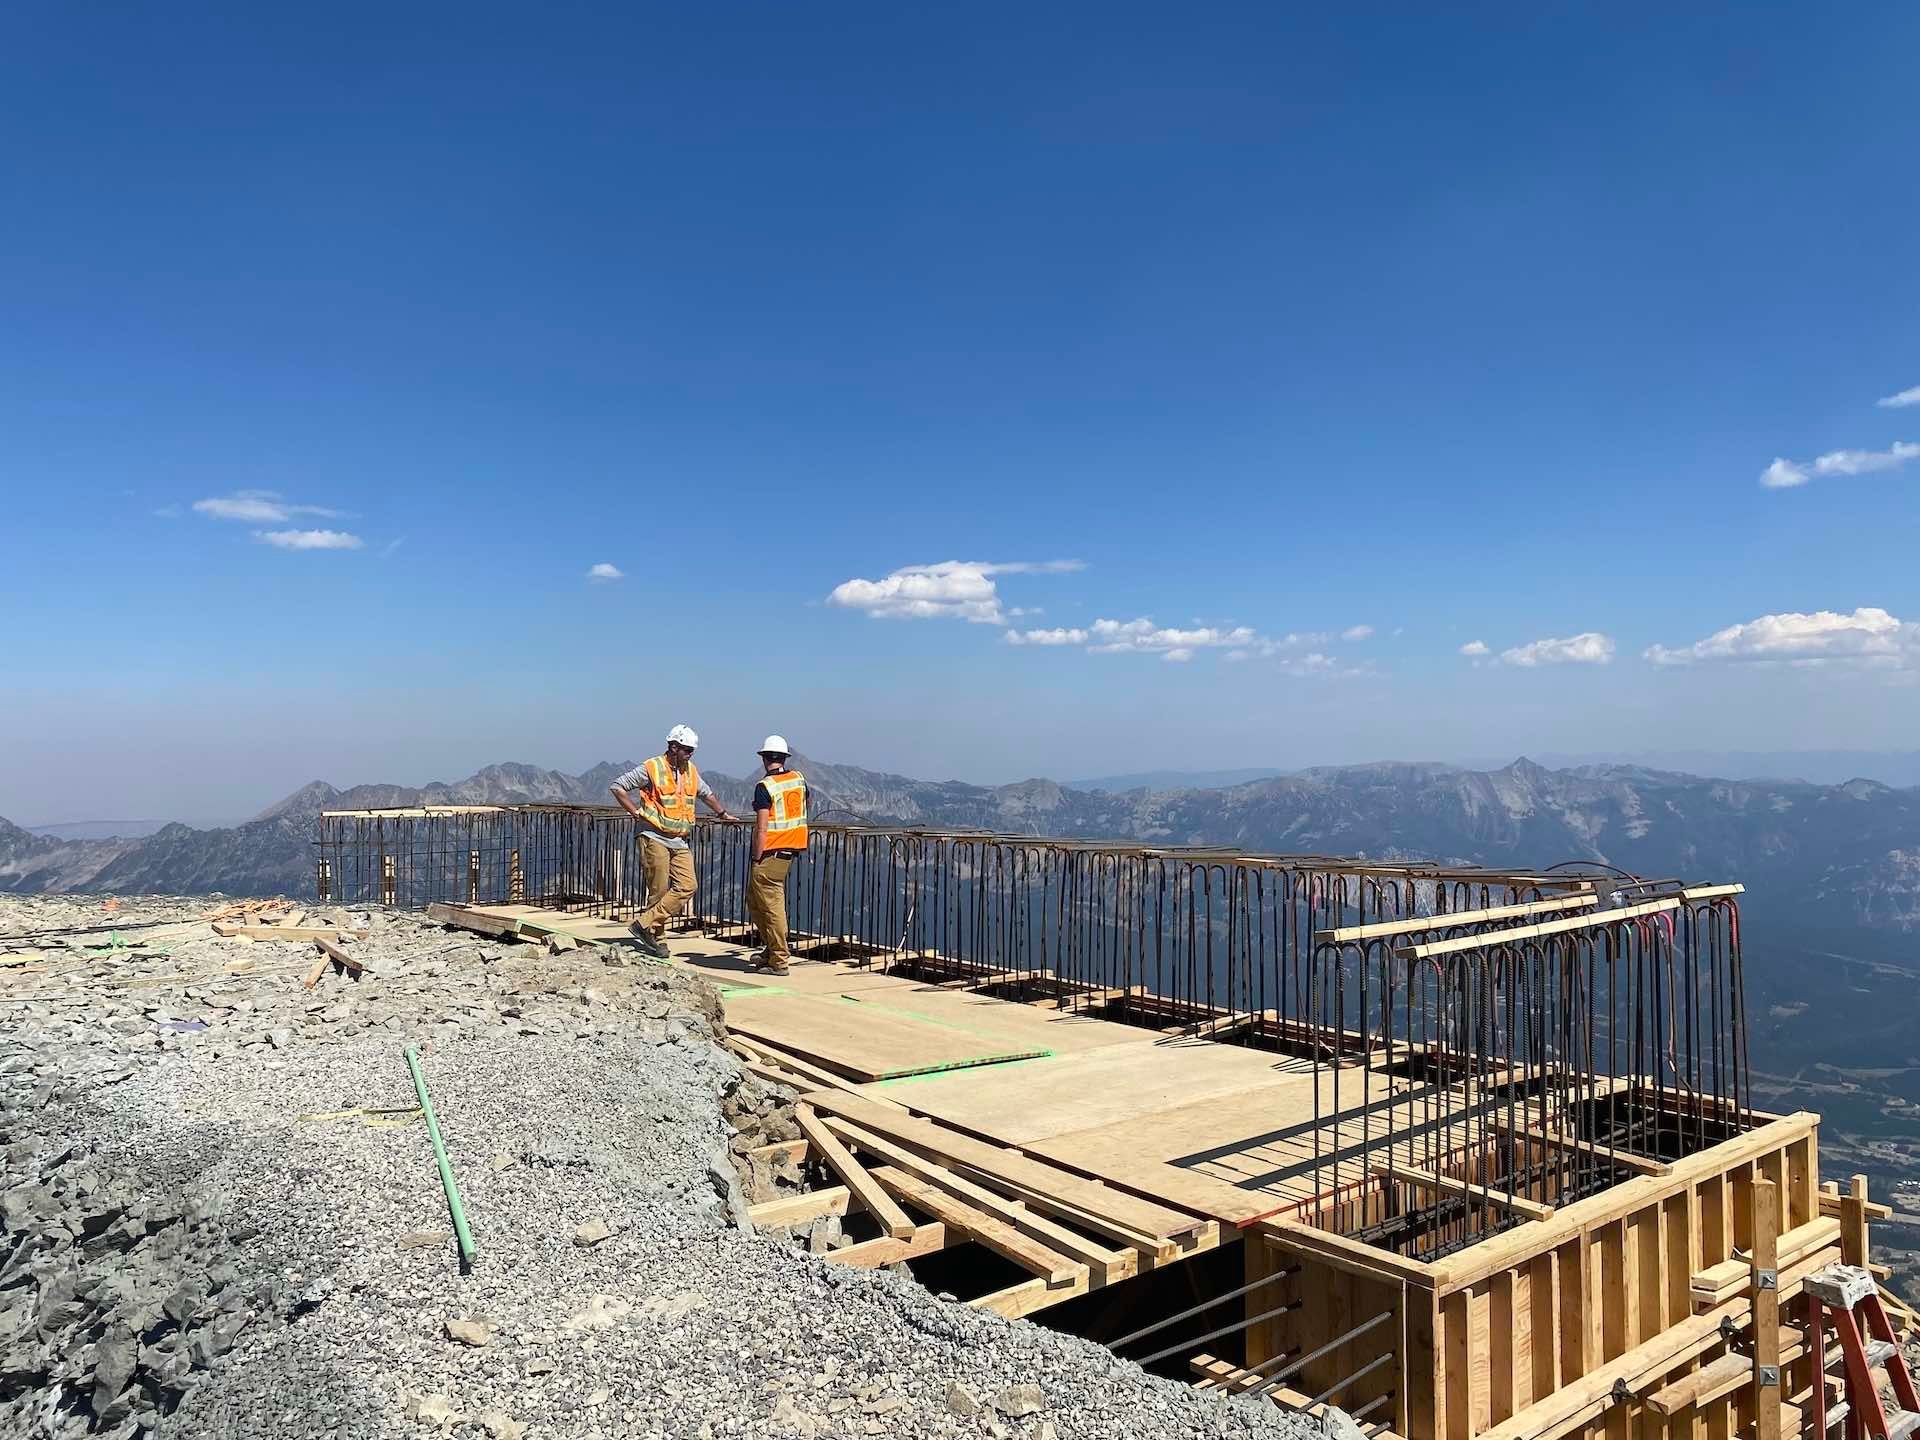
{"x": 1595, "y": 1321}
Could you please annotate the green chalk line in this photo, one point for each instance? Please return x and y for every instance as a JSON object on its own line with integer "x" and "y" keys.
{"x": 942, "y": 1071}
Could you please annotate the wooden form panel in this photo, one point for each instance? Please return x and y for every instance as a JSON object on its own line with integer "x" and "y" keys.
{"x": 1512, "y": 1333}
{"x": 1524, "y": 1317}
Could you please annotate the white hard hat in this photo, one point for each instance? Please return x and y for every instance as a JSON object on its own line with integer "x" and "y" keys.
{"x": 683, "y": 735}
{"x": 775, "y": 745}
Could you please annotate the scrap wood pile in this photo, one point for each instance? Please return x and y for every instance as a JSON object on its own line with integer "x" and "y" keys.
{"x": 925, "y": 1187}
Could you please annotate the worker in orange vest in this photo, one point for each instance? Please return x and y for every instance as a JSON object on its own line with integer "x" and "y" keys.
{"x": 779, "y": 834}
{"x": 665, "y": 786}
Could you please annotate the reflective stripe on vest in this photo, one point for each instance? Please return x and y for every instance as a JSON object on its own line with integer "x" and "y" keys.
{"x": 667, "y": 803}
{"x": 787, "y": 820}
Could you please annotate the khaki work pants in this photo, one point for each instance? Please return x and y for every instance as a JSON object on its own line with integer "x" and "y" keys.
{"x": 767, "y": 905}
{"x": 669, "y": 882}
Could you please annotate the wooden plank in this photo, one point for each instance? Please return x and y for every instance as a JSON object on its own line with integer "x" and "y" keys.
{"x": 1639, "y": 1164}
{"x": 800, "y": 1209}
{"x": 775, "y": 1074}
{"x": 794, "y": 1150}
{"x": 1031, "y": 1295}
{"x": 1343, "y": 934}
{"x": 1060, "y": 1193}
{"x": 1545, "y": 1339}
{"x": 229, "y": 931}
{"x": 1457, "y": 1361}
{"x": 340, "y": 956}
{"x": 1534, "y": 932}
{"x": 977, "y": 1225}
{"x": 1292, "y": 1233}
{"x": 1427, "y": 1180}
{"x": 1718, "y": 1283}
{"x": 1853, "y": 1221}
{"x": 892, "y": 1218}
{"x": 319, "y": 968}
{"x": 465, "y": 919}
{"x": 1503, "y": 1329}
{"x": 1833, "y": 1203}
{"x": 1218, "y": 1374}
{"x": 926, "y": 1239}
{"x": 1689, "y": 1390}
{"x": 1111, "y": 1265}
{"x": 1766, "y": 1309}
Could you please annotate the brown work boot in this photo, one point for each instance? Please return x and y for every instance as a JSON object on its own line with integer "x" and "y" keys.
{"x": 758, "y": 959}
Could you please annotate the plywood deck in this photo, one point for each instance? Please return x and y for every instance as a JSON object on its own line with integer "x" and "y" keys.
{"x": 1218, "y": 1130}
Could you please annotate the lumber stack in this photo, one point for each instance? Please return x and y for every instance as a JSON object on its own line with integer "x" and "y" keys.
{"x": 927, "y": 1186}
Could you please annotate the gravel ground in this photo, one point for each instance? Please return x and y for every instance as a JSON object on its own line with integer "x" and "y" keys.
{"x": 198, "y": 1242}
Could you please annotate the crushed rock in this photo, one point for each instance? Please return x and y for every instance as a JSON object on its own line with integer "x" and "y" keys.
{"x": 219, "y": 1217}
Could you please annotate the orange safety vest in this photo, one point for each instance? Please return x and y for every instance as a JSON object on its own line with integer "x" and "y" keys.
{"x": 667, "y": 803}
{"x": 787, "y": 821}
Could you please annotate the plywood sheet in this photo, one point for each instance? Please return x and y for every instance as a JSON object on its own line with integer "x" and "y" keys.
{"x": 857, "y": 1041}
{"x": 1008, "y": 1022}
{"x": 1093, "y": 1088}
{"x": 1240, "y": 1156}
{"x": 728, "y": 966}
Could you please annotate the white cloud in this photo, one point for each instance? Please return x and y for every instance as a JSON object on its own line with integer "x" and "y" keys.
{"x": 1869, "y": 636}
{"x": 308, "y": 539}
{"x": 1784, "y": 474}
{"x": 1178, "y": 646}
{"x": 1474, "y": 648}
{"x": 1900, "y": 401}
{"x": 949, "y": 590}
{"x": 1357, "y": 632}
{"x": 258, "y": 507}
{"x": 604, "y": 571}
{"x": 1047, "y": 637}
{"x": 1589, "y": 647}
{"x": 1142, "y": 636}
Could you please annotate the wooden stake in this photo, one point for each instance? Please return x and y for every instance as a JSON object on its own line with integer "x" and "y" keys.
{"x": 1766, "y": 1310}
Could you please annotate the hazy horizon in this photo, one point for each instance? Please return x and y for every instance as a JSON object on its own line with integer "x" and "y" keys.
{"x": 1896, "y": 768}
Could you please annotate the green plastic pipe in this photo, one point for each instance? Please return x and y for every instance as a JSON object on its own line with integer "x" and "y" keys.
{"x": 460, "y": 1231}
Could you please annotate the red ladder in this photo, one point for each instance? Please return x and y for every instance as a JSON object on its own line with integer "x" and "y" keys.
{"x": 1845, "y": 1295}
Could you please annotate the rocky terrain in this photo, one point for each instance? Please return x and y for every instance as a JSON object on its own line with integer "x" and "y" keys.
{"x": 220, "y": 1215}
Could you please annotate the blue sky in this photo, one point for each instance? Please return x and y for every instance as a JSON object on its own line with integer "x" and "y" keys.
{"x": 1460, "y": 327}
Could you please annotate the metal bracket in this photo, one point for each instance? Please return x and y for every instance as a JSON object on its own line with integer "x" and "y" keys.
{"x": 1770, "y": 1375}
{"x": 1766, "y": 1279}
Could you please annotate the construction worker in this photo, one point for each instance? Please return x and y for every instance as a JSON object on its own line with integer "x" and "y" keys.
{"x": 779, "y": 834}
{"x": 658, "y": 794}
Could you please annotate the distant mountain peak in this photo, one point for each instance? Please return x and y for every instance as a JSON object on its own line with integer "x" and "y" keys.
{"x": 309, "y": 799}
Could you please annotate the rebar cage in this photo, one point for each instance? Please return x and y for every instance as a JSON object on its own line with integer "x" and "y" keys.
{"x": 1480, "y": 1041}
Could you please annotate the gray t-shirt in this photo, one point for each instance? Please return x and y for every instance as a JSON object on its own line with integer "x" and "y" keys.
{"x": 636, "y": 779}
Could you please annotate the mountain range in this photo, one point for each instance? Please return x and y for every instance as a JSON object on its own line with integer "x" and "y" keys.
{"x": 1832, "y": 871}
{"x": 1843, "y": 855}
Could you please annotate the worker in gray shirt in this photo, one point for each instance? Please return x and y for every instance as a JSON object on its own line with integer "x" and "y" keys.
{"x": 659, "y": 795}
